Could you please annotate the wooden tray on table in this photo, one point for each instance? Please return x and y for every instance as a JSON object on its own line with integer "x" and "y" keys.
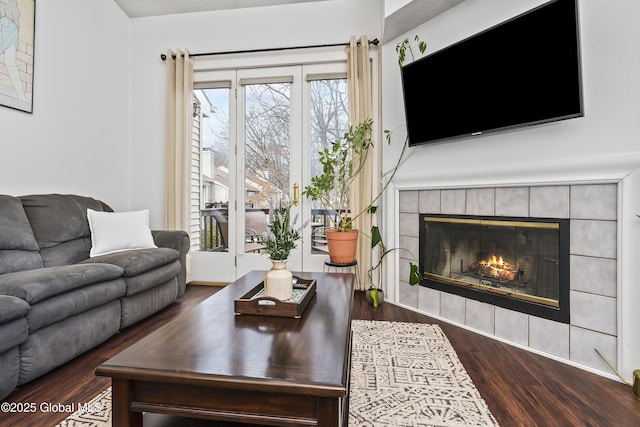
{"x": 256, "y": 302}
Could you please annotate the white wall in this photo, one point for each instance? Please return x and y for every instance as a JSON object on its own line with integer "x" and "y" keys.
{"x": 77, "y": 139}
{"x": 604, "y": 145}
{"x": 266, "y": 27}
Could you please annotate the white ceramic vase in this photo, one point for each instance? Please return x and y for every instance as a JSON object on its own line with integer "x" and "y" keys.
{"x": 278, "y": 282}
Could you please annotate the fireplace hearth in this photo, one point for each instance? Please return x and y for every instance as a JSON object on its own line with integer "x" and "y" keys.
{"x": 520, "y": 264}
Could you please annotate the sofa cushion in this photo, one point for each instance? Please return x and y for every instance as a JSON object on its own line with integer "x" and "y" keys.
{"x": 151, "y": 278}
{"x": 119, "y": 231}
{"x": 18, "y": 245}
{"x": 12, "y": 261}
{"x": 15, "y": 230}
{"x": 54, "y": 345}
{"x": 13, "y": 323}
{"x": 70, "y": 303}
{"x": 13, "y": 333}
{"x": 12, "y": 308}
{"x": 139, "y": 306}
{"x": 34, "y": 286}
{"x": 138, "y": 261}
{"x": 59, "y": 223}
{"x": 9, "y": 371}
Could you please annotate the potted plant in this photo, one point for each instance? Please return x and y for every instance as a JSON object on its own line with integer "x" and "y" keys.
{"x": 279, "y": 240}
{"x": 339, "y": 169}
{"x": 341, "y": 163}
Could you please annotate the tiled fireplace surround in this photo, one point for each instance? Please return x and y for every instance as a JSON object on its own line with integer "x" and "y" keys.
{"x": 592, "y": 211}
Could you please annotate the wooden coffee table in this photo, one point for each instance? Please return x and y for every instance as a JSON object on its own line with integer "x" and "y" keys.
{"x": 211, "y": 363}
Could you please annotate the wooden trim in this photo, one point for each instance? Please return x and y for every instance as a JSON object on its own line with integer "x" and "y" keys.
{"x": 204, "y": 283}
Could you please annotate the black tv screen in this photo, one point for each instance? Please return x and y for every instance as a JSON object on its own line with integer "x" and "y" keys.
{"x": 521, "y": 72}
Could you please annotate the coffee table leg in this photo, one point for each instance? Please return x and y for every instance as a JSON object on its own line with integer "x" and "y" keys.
{"x": 121, "y": 398}
{"x": 329, "y": 412}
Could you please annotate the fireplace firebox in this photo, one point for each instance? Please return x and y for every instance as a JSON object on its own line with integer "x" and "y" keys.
{"x": 520, "y": 264}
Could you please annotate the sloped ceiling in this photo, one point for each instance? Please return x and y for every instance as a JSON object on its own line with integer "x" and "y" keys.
{"x": 140, "y": 8}
{"x": 414, "y": 13}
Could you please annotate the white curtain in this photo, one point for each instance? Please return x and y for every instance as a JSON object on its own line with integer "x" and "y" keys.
{"x": 179, "y": 123}
{"x": 360, "y": 108}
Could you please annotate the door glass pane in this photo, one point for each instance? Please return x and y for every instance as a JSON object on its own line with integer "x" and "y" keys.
{"x": 267, "y": 132}
{"x": 329, "y": 120}
{"x": 215, "y": 169}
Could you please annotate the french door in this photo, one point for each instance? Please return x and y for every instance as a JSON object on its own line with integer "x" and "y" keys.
{"x": 261, "y": 129}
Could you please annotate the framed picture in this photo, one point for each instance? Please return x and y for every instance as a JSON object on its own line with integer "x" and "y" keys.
{"x": 17, "y": 34}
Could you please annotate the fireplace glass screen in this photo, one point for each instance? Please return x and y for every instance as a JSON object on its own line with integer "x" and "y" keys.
{"x": 518, "y": 259}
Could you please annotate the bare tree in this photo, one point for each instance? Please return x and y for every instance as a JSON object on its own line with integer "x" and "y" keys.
{"x": 267, "y": 129}
{"x": 267, "y": 137}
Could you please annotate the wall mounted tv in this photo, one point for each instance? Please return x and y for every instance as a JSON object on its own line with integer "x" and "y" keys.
{"x": 522, "y": 72}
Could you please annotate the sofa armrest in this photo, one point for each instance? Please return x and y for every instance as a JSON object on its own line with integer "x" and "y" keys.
{"x": 178, "y": 240}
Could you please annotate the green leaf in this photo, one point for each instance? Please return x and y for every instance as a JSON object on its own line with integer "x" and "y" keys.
{"x": 376, "y": 237}
{"x": 372, "y": 209}
{"x": 414, "y": 274}
{"x": 375, "y": 297}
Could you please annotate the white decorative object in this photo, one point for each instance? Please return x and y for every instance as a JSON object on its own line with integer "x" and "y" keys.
{"x": 278, "y": 282}
{"x": 115, "y": 232}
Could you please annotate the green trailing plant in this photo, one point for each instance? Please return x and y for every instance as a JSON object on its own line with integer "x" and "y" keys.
{"x": 405, "y": 46}
{"x": 376, "y": 241}
{"x": 402, "y": 49}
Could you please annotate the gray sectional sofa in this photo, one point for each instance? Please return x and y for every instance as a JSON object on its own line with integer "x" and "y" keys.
{"x": 55, "y": 301}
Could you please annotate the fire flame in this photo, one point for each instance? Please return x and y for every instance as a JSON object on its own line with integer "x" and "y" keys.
{"x": 495, "y": 262}
{"x": 496, "y": 266}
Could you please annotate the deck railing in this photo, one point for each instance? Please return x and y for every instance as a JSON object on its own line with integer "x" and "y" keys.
{"x": 214, "y": 226}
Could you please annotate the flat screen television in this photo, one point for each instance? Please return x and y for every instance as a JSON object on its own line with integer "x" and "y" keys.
{"x": 522, "y": 72}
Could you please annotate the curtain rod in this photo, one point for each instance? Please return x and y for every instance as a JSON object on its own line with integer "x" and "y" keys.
{"x": 163, "y": 56}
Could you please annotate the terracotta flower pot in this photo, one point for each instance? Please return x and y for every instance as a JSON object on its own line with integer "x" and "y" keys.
{"x": 342, "y": 245}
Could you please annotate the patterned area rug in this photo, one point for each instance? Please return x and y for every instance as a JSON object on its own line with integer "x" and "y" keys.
{"x": 408, "y": 374}
{"x": 96, "y": 413}
{"x": 402, "y": 374}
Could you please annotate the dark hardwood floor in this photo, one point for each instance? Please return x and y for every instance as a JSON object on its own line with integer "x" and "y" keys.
{"x": 521, "y": 388}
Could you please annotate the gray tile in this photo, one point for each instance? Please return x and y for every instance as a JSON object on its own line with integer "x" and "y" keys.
{"x": 549, "y": 337}
{"x": 429, "y": 201}
{"x": 408, "y": 295}
{"x": 429, "y": 300}
{"x": 594, "y": 275}
{"x": 512, "y": 201}
{"x": 409, "y": 201}
{"x": 480, "y": 316}
{"x": 480, "y": 201}
{"x": 583, "y": 344}
{"x": 409, "y": 224}
{"x": 409, "y": 248}
{"x": 549, "y": 202}
{"x": 598, "y": 201}
{"x": 452, "y": 307}
{"x": 512, "y": 326}
{"x": 594, "y": 312}
{"x": 453, "y": 202}
{"x": 594, "y": 238}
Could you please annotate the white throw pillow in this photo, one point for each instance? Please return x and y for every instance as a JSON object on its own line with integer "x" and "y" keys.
{"x": 119, "y": 231}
